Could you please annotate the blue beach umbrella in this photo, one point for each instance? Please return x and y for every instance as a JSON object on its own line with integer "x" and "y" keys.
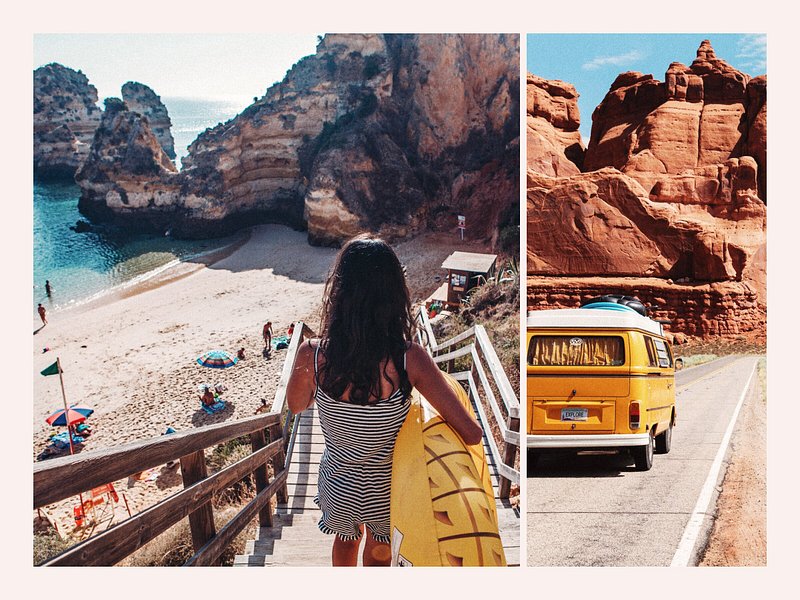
{"x": 217, "y": 359}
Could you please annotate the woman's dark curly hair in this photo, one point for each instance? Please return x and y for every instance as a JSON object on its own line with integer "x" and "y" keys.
{"x": 366, "y": 319}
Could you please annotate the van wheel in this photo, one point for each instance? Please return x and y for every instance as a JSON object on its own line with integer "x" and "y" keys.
{"x": 533, "y": 459}
{"x": 664, "y": 441}
{"x": 643, "y": 455}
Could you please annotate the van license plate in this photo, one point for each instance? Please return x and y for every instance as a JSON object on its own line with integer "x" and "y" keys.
{"x": 574, "y": 414}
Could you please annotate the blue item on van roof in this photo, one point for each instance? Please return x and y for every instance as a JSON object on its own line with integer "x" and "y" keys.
{"x": 610, "y": 306}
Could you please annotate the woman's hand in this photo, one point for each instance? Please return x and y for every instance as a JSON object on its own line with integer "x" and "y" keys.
{"x": 431, "y": 383}
{"x": 301, "y": 386}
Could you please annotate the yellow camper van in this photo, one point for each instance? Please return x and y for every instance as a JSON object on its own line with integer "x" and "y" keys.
{"x": 600, "y": 377}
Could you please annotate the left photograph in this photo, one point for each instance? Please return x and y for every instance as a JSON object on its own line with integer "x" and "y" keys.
{"x": 276, "y": 299}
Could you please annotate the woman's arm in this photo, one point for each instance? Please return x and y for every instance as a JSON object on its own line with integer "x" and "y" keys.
{"x": 300, "y": 389}
{"x": 429, "y": 380}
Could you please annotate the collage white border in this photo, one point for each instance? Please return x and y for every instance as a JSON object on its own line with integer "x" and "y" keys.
{"x": 22, "y": 21}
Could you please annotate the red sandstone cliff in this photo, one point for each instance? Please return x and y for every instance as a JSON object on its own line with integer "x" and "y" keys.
{"x": 671, "y": 194}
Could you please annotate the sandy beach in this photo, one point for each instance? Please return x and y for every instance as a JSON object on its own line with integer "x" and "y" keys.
{"x": 132, "y": 357}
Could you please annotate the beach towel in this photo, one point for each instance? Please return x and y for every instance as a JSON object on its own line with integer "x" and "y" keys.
{"x": 61, "y": 441}
{"x": 214, "y": 408}
{"x": 280, "y": 342}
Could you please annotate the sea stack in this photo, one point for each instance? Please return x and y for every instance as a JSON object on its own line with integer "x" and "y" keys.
{"x": 65, "y": 116}
{"x": 140, "y": 98}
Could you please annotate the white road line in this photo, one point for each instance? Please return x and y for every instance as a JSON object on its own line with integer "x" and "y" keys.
{"x": 684, "y": 552}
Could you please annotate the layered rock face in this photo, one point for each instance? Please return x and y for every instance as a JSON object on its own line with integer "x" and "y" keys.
{"x": 140, "y": 98}
{"x": 65, "y": 117}
{"x": 124, "y": 139}
{"x": 670, "y": 195}
{"x": 385, "y": 133}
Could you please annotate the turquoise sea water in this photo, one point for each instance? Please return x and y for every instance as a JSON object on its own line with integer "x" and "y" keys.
{"x": 82, "y": 266}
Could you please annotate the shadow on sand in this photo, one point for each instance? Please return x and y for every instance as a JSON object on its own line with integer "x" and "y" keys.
{"x": 201, "y": 418}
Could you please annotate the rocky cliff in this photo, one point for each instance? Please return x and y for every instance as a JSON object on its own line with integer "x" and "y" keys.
{"x": 671, "y": 194}
{"x": 386, "y": 133}
{"x": 66, "y": 115}
{"x": 553, "y": 141}
{"x": 140, "y": 98}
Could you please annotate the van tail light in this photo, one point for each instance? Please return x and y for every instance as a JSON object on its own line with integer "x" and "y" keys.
{"x": 633, "y": 415}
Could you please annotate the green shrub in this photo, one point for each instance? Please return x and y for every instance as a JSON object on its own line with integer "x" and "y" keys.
{"x": 47, "y": 545}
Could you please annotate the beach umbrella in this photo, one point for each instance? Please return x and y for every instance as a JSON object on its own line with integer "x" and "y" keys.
{"x": 70, "y": 416}
{"x": 217, "y": 359}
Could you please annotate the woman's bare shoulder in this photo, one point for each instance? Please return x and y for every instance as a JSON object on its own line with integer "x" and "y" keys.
{"x": 306, "y": 350}
{"x": 417, "y": 357}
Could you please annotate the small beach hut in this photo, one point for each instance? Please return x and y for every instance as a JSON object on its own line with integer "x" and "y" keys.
{"x": 464, "y": 271}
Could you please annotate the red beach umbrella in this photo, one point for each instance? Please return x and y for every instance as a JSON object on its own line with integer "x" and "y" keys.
{"x": 70, "y": 416}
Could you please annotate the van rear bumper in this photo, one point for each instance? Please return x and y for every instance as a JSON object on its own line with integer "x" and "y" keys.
{"x": 609, "y": 440}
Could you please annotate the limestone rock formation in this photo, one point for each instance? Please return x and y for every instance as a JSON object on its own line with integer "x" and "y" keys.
{"x": 140, "y": 98}
{"x": 65, "y": 117}
{"x": 670, "y": 203}
{"x": 386, "y": 133}
{"x": 124, "y": 140}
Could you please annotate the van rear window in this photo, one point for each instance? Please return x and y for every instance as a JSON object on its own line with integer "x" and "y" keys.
{"x": 576, "y": 351}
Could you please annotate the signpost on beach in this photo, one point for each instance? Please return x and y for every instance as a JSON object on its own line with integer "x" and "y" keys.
{"x": 462, "y": 225}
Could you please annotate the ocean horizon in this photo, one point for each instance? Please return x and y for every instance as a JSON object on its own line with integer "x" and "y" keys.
{"x": 84, "y": 266}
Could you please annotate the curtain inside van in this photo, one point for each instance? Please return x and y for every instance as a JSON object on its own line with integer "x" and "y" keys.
{"x": 576, "y": 351}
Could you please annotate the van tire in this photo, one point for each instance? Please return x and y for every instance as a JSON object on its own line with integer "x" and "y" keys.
{"x": 664, "y": 441}
{"x": 643, "y": 455}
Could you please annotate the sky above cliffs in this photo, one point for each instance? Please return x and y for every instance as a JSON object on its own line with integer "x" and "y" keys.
{"x": 230, "y": 67}
{"x": 591, "y": 62}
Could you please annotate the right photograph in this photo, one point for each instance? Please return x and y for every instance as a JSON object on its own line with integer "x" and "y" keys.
{"x": 646, "y": 296}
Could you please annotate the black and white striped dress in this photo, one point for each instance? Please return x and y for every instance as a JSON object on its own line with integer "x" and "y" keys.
{"x": 355, "y": 472}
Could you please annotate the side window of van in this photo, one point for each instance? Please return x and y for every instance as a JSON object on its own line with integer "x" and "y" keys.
{"x": 651, "y": 351}
{"x": 664, "y": 356}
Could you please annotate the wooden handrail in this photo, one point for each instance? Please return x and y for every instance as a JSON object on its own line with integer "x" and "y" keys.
{"x": 112, "y": 545}
{"x": 501, "y": 379}
{"x": 60, "y": 478}
{"x": 445, "y": 353}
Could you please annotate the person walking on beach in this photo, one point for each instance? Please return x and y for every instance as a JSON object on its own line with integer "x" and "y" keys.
{"x": 42, "y": 314}
{"x": 267, "y": 333}
{"x": 360, "y": 373}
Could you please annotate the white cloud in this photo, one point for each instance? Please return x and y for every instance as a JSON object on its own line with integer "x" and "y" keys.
{"x": 752, "y": 52}
{"x": 615, "y": 61}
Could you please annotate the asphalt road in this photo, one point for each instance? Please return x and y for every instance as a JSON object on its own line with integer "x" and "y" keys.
{"x": 596, "y": 510}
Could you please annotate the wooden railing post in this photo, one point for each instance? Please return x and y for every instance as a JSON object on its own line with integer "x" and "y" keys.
{"x": 258, "y": 440}
{"x": 509, "y": 454}
{"x": 279, "y": 461}
{"x": 201, "y": 520}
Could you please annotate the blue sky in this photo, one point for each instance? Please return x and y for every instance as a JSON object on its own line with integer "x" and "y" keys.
{"x": 234, "y": 67}
{"x": 591, "y": 62}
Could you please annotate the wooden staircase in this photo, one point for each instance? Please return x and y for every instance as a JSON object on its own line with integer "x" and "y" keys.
{"x": 295, "y": 540}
